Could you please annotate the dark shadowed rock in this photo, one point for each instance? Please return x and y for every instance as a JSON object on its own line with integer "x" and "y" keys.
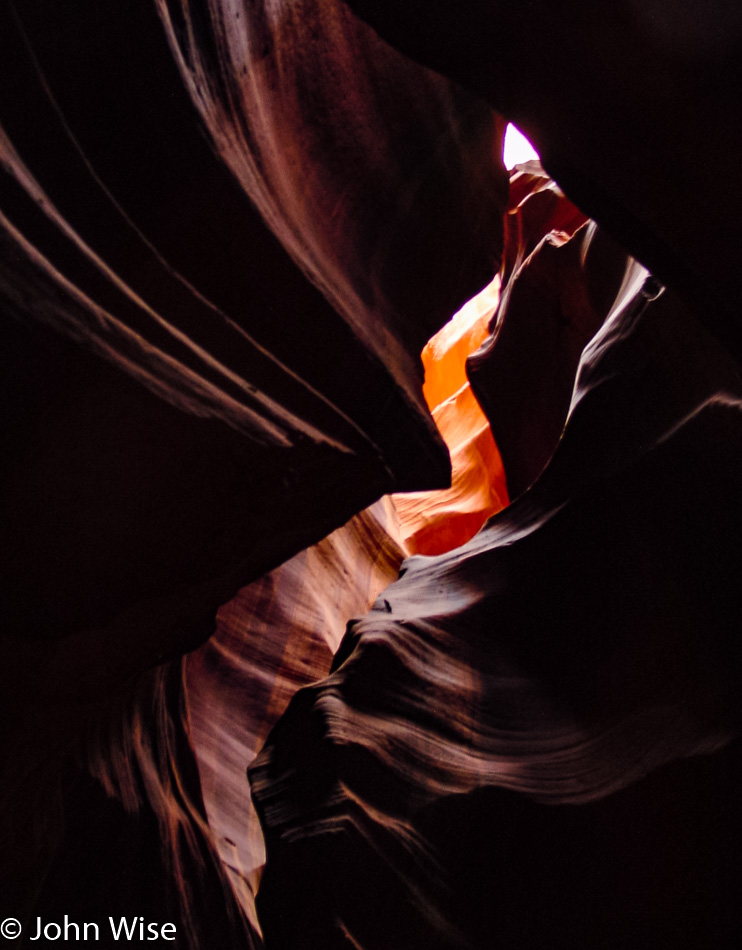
{"x": 527, "y": 741}
{"x": 210, "y": 353}
{"x": 179, "y": 397}
{"x": 633, "y": 111}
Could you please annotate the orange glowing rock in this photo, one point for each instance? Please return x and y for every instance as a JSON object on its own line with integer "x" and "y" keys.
{"x": 437, "y": 521}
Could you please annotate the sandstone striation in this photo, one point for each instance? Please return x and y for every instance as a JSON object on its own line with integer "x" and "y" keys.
{"x": 227, "y": 232}
{"x": 523, "y": 738}
{"x": 202, "y": 373}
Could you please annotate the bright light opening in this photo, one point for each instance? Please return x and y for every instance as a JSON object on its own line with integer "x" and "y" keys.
{"x": 517, "y": 149}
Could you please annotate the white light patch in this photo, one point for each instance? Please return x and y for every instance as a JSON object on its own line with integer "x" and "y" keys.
{"x": 517, "y": 149}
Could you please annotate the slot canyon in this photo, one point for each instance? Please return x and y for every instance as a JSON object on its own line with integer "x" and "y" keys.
{"x": 371, "y": 510}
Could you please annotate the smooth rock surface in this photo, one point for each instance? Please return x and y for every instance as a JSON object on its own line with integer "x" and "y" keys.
{"x": 524, "y": 736}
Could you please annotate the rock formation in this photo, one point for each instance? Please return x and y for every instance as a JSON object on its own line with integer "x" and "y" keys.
{"x": 183, "y": 408}
{"x": 278, "y": 634}
{"x": 632, "y": 110}
{"x": 227, "y": 231}
{"x": 507, "y": 749}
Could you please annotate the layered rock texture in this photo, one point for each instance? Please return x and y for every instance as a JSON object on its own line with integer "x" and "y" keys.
{"x": 188, "y": 399}
{"x": 507, "y": 748}
{"x": 277, "y": 635}
{"x": 484, "y": 676}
